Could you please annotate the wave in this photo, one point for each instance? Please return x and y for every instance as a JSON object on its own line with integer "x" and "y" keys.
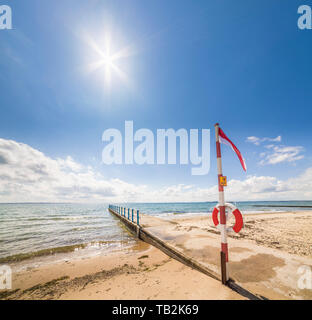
{"x": 63, "y": 249}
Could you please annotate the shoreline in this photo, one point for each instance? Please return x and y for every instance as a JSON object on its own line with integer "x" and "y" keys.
{"x": 89, "y": 277}
{"x": 84, "y": 246}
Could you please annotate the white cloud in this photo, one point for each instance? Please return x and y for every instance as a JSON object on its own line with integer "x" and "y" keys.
{"x": 257, "y": 141}
{"x": 278, "y": 154}
{"x": 28, "y": 175}
{"x": 251, "y": 188}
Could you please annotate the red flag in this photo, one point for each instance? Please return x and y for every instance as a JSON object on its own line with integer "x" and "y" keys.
{"x": 224, "y": 139}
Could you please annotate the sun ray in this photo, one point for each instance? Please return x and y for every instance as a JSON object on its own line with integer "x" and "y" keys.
{"x": 124, "y": 53}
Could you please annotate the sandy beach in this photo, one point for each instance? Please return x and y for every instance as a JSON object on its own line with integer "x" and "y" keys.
{"x": 144, "y": 272}
{"x": 287, "y": 231}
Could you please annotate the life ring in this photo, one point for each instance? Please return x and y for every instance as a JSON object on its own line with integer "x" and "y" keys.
{"x": 237, "y": 214}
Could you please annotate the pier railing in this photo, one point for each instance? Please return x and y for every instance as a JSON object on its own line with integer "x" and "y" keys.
{"x": 128, "y": 213}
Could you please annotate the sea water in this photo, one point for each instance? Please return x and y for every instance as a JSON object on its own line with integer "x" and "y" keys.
{"x": 35, "y": 229}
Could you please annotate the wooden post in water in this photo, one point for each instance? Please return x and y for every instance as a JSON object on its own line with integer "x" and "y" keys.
{"x": 132, "y": 214}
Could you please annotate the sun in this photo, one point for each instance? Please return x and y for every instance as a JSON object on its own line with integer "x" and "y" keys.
{"x": 107, "y": 60}
{"x": 107, "y": 63}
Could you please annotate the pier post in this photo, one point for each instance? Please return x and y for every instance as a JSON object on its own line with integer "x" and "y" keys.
{"x": 128, "y": 213}
{"x": 138, "y": 218}
{"x": 132, "y": 214}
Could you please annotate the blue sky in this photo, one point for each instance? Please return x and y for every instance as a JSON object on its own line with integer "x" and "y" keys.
{"x": 188, "y": 65}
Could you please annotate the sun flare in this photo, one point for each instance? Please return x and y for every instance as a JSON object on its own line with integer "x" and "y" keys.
{"x": 107, "y": 60}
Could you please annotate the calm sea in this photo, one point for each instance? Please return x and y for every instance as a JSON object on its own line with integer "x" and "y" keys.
{"x": 42, "y": 229}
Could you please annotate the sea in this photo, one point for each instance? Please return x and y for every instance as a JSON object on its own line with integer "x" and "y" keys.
{"x": 30, "y": 230}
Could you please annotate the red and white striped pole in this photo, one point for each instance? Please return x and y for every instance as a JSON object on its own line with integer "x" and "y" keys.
{"x": 224, "y": 245}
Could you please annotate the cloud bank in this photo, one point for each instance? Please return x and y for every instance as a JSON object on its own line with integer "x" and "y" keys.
{"x": 28, "y": 175}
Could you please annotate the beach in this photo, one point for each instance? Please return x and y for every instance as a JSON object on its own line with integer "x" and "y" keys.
{"x": 141, "y": 272}
{"x": 265, "y": 258}
{"x": 265, "y": 245}
{"x": 287, "y": 231}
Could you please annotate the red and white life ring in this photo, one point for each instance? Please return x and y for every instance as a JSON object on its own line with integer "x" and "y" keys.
{"x": 237, "y": 214}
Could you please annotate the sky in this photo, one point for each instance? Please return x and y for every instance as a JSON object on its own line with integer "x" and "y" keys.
{"x": 69, "y": 70}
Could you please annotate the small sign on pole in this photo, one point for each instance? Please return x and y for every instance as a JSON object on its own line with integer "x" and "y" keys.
{"x": 223, "y": 181}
